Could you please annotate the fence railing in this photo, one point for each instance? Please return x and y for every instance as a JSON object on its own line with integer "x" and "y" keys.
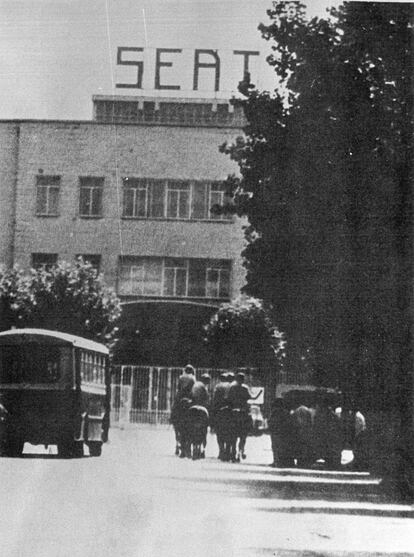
{"x": 145, "y": 394}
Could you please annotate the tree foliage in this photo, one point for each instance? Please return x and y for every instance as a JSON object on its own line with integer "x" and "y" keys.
{"x": 68, "y": 298}
{"x": 325, "y": 178}
{"x": 242, "y": 333}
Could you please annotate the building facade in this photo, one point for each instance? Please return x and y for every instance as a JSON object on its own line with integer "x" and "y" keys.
{"x": 131, "y": 191}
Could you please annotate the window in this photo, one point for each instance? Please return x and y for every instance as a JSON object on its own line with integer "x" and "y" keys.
{"x": 47, "y": 195}
{"x": 178, "y": 199}
{"x": 172, "y": 199}
{"x": 140, "y": 276}
{"x": 90, "y": 198}
{"x": 92, "y": 368}
{"x": 91, "y": 258}
{"x": 174, "y": 277}
{"x": 216, "y": 197}
{"x": 33, "y": 363}
{"x": 218, "y": 279}
{"x": 143, "y": 198}
{"x": 44, "y": 260}
{"x": 135, "y": 198}
{"x": 194, "y": 113}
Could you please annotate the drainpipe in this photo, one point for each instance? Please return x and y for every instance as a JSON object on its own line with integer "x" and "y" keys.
{"x": 11, "y": 261}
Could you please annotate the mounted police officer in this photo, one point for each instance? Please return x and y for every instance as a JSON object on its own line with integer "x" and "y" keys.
{"x": 199, "y": 392}
{"x": 186, "y": 382}
{"x": 181, "y": 403}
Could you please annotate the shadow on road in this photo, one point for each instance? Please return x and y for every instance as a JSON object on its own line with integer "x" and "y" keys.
{"x": 44, "y": 456}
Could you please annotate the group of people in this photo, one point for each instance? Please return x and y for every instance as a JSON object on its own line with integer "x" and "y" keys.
{"x": 230, "y": 391}
{"x": 301, "y": 435}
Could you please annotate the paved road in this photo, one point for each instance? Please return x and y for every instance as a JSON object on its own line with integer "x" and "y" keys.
{"x": 139, "y": 500}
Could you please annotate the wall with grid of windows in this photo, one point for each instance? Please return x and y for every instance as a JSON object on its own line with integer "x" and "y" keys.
{"x": 135, "y": 200}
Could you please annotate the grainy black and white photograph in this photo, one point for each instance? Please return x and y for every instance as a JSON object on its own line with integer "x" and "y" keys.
{"x": 206, "y": 278}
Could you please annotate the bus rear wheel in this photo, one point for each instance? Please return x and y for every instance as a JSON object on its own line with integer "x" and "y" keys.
{"x": 95, "y": 448}
{"x": 70, "y": 449}
{"x": 77, "y": 449}
{"x": 14, "y": 447}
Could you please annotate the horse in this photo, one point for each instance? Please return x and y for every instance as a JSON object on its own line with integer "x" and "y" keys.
{"x": 195, "y": 431}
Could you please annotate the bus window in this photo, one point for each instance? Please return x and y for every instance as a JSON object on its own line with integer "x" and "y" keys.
{"x": 32, "y": 363}
{"x": 92, "y": 368}
{"x": 10, "y": 365}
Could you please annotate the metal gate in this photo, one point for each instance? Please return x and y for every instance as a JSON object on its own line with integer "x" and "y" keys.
{"x": 145, "y": 394}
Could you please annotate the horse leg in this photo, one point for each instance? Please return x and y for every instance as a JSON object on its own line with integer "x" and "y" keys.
{"x": 226, "y": 450}
{"x": 177, "y": 442}
{"x": 180, "y": 443}
{"x": 242, "y": 444}
{"x": 233, "y": 450}
{"x": 185, "y": 445}
{"x": 220, "y": 446}
{"x": 203, "y": 446}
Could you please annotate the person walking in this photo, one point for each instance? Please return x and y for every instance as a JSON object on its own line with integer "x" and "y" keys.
{"x": 282, "y": 434}
{"x": 238, "y": 399}
{"x": 220, "y": 394}
{"x": 239, "y": 394}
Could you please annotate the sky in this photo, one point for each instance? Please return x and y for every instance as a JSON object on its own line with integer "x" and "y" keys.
{"x": 56, "y": 54}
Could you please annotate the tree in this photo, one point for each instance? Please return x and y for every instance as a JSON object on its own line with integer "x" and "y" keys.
{"x": 243, "y": 334}
{"x": 68, "y": 298}
{"x": 325, "y": 171}
{"x": 326, "y": 183}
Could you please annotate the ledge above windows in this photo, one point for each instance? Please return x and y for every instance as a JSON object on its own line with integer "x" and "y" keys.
{"x": 167, "y": 219}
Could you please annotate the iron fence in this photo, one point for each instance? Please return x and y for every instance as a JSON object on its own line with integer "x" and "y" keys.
{"x": 145, "y": 394}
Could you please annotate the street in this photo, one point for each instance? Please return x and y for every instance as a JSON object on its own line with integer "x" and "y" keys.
{"x": 138, "y": 499}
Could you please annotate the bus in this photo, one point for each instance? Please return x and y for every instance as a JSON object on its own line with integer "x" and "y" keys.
{"x": 55, "y": 389}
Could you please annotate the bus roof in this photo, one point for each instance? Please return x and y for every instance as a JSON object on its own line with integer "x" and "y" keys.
{"x": 74, "y": 340}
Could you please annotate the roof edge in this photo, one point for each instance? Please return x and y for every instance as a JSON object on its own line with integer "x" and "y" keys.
{"x": 65, "y": 337}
